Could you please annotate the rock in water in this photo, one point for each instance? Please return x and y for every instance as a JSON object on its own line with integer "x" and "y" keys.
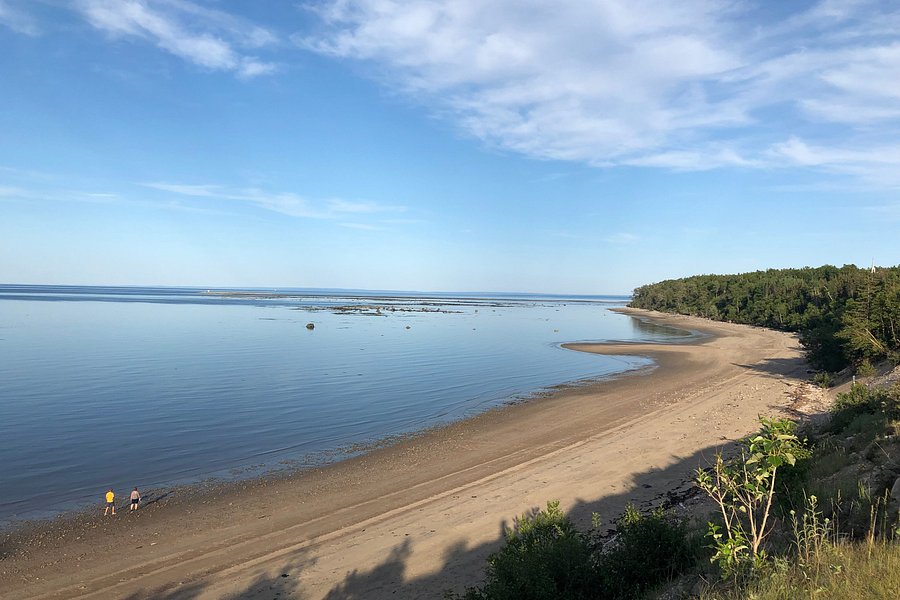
{"x": 310, "y": 326}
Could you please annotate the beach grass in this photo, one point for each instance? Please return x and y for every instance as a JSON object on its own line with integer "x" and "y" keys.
{"x": 847, "y": 571}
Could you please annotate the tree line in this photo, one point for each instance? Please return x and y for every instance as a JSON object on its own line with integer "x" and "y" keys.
{"x": 844, "y": 315}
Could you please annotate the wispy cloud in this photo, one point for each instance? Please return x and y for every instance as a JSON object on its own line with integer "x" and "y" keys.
{"x": 551, "y": 177}
{"x": 21, "y": 174}
{"x": 619, "y": 238}
{"x": 208, "y": 38}
{"x": 344, "y": 206}
{"x": 7, "y": 191}
{"x": 877, "y": 164}
{"x": 55, "y": 195}
{"x": 890, "y": 211}
{"x": 92, "y": 197}
{"x": 403, "y": 221}
{"x": 592, "y": 82}
{"x": 287, "y": 203}
{"x": 685, "y": 85}
{"x": 699, "y": 159}
{"x": 622, "y": 238}
{"x": 189, "y": 198}
{"x": 17, "y": 19}
{"x": 186, "y": 190}
{"x": 361, "y": 226}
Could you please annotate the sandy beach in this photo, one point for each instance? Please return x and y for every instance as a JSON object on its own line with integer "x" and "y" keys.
{"x": 420, "y": 516}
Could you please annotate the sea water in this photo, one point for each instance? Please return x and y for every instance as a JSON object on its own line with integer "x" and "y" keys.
{"x": 123, "y": 387}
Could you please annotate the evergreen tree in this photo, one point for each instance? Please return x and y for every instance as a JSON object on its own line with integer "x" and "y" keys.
{"x": 844, "y": 315}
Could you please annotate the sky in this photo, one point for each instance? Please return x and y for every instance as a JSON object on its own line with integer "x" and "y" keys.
{"x": 573, "y": 147}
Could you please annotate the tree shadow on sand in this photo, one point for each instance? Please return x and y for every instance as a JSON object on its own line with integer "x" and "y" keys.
{"x": 779, "y": 367}
{"x": 463, "y": 564}
{"x": 283, "y": 584}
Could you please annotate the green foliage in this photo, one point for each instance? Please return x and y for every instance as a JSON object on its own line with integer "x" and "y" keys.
{"x": 647, "y": 550}
{"x": 544, "y": 558}
{"x": 824, "y": 380}
{"x": 834, "y": 572}
{"x": 844, "y": 315}
{"x": 862, "y": 400}
{"x": 812, "y": 531}
{"x": 865, "y": 369}
{"x": 743, "y": 490}
{"x": 843, "y": 539}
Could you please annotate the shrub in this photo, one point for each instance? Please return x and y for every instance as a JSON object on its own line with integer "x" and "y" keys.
{"x": 743, "y": 490}
{"x": 824, "y": 380}
{"x": 865, "y": 369}
{"x": 647, "y": 550}
{"x": 861, "y": 400}
{"x": 544, "y": 558}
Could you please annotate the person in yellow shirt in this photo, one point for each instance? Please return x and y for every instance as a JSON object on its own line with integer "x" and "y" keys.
{"x": 110, "y": 502}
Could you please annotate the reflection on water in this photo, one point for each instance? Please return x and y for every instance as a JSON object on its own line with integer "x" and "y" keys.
{"x": 653, "y": 330}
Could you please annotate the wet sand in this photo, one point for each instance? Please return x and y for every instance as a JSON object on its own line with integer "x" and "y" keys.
{"x": 420, "y": 516}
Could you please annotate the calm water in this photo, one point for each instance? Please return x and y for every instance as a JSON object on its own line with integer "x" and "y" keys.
{"x": 119, "y": 387}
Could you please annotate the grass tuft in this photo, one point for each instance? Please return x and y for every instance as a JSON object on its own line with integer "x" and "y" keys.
{"x": 856, "y": 571}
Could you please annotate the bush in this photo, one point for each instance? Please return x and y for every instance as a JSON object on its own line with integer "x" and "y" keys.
{"x": 865, "y": 369}
{"x": 544, "y": 558}
{"x": 824, "y": 380}
{"x": 861, "y": 400}
{"x": 647, "y": 551}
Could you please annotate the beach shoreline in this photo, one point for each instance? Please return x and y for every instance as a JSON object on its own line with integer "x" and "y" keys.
{"x": 319, "y": 531}
{"x": 67, "y": 504}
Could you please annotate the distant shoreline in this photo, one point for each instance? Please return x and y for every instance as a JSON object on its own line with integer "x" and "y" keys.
{"x": 303, "y": 292}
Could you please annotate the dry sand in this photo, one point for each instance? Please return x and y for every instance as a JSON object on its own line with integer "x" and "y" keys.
{"x": 420, "y": 516}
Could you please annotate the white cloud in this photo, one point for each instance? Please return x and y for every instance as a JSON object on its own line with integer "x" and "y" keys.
{"x": 345, "y": 206}
{"x": 403, "y": 221}
{"x": 250, "y": 68}
{"x": 90, "y": 197}
{"x": 621, "y": 238}
{"x": 360, "y": 226}
{"x": 687, "y": 85}
{"x": 591, "y": 82}
{"x": 287, "y": 203}
{"x": 186, "y": 190}
{"x": 211, "y": 39}
{"x": 9, "y": 191}
{"x": 876, "y": 164}
{"x": 53, "y": 194}
{"x": 701, "y": 159}
{"x": 17, "y": 20}
{"x": 863, "y": 88}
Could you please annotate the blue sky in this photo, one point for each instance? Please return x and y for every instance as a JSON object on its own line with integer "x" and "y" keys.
{"x": 567, "y": 147}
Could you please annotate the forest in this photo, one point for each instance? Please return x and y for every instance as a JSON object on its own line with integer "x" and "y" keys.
{"x": 845, "y": 316}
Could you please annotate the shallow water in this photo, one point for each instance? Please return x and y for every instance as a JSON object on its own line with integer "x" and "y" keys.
{"x": 120, "y": 387}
